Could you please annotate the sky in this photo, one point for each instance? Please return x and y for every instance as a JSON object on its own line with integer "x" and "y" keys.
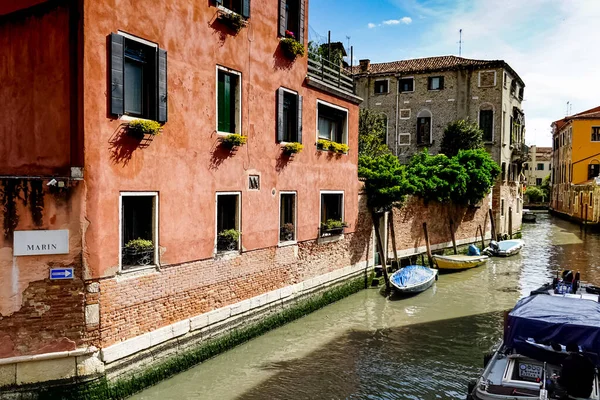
{"x": 551, "y": 44}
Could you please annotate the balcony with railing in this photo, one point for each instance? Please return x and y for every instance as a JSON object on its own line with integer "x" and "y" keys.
{"x": 328, "y": 76}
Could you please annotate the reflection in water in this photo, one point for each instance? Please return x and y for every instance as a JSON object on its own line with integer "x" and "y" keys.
{"x": 424, "y": 347}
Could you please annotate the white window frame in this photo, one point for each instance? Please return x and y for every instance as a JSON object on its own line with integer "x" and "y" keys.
{"x": 288, "y": 242}
{"x": 493, "y": 119}
{"x": 406, "y": 77}
{"x": 430, "y": 125}
{"x": 479, "y": 78}
{"x": 321, "y": 193}
{"x": 156, "y": 237}
{"x": 239, "y": 213}
{"x": 345, "y": 133}
{"x": 404, "y": 144}
{"x": 405, "y": 109}
{"x": 239, "y": 111}
{"x": 381, "y": 80}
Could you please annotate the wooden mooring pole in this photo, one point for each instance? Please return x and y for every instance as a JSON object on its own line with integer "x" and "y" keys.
{"x": 381, "y": 249}
{"x": 429, "y": 255}
{"x": 393, "y": 232}
{"x": 482, "y": 238}
{"x": 510, "y": 222}
{"x": 493, "y": 224}
{"x": 453, "y": 237}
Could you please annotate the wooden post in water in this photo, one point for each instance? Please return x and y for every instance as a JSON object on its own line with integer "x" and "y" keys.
{"x": 429, "y": 256}
{"x": 382, "y": 254}
{"x": 482, "y": 238}
{"x": 493, "y": 224}
{"x": 452, "y": 235}
{"x": 586, "y": 217}
{"x": 393, "y": 232}
{"x": 510, "y": 222}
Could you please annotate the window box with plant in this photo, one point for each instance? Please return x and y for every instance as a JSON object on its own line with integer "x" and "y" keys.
{"x": 228, "y": 240}
{"x": 339, "y": 148}
{"x": 291, "y": 47}
{"x": 292, "y": 148}
{"x": 138, "y": 252}
{"x": 233, "y": 140}
{"x": 332, "y": 227}
{"x": 232, "y": 20}
{"x": 139, "y": 128}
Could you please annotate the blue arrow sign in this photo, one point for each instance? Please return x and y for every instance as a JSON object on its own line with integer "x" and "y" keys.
{"x": 61, "y": 273}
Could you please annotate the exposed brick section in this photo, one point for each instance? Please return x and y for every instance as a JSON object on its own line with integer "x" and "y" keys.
{"x": 50, "y": 319}
{"x": 408, "y": 223}
{"x": 136, "y": 305}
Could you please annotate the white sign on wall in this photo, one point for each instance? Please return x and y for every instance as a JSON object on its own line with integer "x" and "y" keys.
{"x": 32, "y": 243}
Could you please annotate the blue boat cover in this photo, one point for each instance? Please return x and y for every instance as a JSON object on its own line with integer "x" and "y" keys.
{"x": 546, "y": 319}
{"x": 473, "y": 250}
{"x": 412, "y": 275}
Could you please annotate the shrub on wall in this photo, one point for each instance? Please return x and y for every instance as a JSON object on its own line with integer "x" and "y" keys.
{"x": 461, "y": 135}
{"x": 386, "y": 181}
{"x": 481, "y": 171}
{"x": 534, "y": 194}
{"x": 436, "y": 178}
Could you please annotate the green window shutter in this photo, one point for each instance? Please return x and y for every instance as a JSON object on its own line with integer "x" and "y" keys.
{"x": 117, "y": 103}
{"x": 246, "y": 8}
{"x": 280, "y": 125}
{"x": 299, "y": 138}
{"x": 301, "y": 22}
{"x": 224, "y": 103}
{"x": 162, "y": 86}
{"x": 282, "y": 4}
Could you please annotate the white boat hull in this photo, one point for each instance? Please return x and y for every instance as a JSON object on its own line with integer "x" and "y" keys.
{"x": 415, "y": 288}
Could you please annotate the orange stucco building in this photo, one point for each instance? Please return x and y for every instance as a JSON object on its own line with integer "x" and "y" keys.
{"x": 225, "y": 229}
{"x": 576, "y": 164}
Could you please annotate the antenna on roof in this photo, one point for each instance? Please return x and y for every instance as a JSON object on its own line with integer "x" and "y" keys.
{"x": 460, "y": 42}
{"x": 568, "y": 102}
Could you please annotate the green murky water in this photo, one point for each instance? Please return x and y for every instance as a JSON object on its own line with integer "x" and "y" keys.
{"x": 366, "y": 347}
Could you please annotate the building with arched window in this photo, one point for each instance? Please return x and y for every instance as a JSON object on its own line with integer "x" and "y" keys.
{"x": 422, "y": 96}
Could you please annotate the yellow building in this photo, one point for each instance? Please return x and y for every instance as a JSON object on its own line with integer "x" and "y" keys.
{"x": 576, "y": 163}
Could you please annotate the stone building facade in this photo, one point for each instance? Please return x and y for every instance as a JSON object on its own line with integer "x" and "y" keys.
{"x": 538, "y": 165}
{"x": 420, "y": 97}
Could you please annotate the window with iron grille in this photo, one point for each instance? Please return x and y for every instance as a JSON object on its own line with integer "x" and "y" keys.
{"x": 596, "y": 134}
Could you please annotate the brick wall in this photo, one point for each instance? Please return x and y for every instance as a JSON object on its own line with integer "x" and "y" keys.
{"x": 408, "y": 222}
{"x": 131, "y": 304}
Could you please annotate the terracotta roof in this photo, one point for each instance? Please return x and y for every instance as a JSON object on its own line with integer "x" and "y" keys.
{"x": 430, "y": 64}
{"x": 592, "y": 113}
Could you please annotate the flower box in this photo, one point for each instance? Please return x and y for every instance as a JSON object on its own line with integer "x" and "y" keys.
{"x": 233, "y": 140}
{"x": 232, "y": 20}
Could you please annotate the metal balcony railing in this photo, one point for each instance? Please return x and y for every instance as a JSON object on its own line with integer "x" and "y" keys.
{"x": 330, "y": 73}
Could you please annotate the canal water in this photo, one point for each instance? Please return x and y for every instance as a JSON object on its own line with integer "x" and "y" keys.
{"x": 367, "y": 347}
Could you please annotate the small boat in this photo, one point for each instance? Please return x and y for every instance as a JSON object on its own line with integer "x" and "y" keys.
{"x": 569, "y": 285}
{"x": 459, "y": 261}
{"x": 413, "y": 279}
{"x": 504, "y": 248}
{"x": 550, "y": 350}
{"x": 528, "y": 216}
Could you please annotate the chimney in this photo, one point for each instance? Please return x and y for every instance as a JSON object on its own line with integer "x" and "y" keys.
{"x": 364, "y": 65}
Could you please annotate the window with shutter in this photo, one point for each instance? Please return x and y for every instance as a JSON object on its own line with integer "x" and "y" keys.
{"x": 138, "y": 74}
{"x": 291, "y": 18}
{"x": 228, "y": 101}
{"x": 424, "y": 128}
{"x": 289, "y": 124}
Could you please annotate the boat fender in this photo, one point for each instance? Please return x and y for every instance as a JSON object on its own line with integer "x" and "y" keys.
{"x": 486, "y": 358}
{"x": 470, "y": 389}
{"x": 437, "y": 276}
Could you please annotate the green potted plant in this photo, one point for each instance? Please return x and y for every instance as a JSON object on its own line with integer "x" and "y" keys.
{"x": 232, "y": 20}
{"x": 290, "y": 46}
{"x": 332, "y": 227}
{"x": 228, "y": 240}
{"x": 138, "y": 252}
{"x": 139, "y": 128}
{"x": 233, "y": 140}
{"x": 292, "y": 148}
{"x": 286, "y": 233}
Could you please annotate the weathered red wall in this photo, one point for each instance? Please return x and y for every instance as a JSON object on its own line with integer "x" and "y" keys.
{"x": 35, "y": 92}
{"x": 408, "y": 223}
{"x": 38, "y": 315}
{"x": 182, "y": 163}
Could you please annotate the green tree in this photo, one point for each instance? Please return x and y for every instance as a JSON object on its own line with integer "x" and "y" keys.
{"x": 481, "y": 170}
{"x": 371, "y": 134}
{"x": 534, "y": 194}
{"x": 461, "y": 135}
{"x": 546, "y": 188}
{"x": 436, "y": 177}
